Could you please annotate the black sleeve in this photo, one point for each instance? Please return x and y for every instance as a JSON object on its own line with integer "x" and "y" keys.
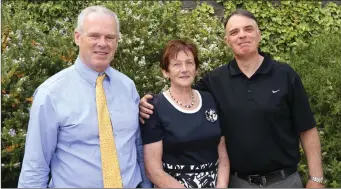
{"x": 302, "y": 115}
{"x": 151, "y": 130}
{"x": 202, "y": 84}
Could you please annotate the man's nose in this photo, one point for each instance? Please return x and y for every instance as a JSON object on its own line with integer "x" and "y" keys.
{"x": 242, "y": 34}
{"x": 101, "y": 42}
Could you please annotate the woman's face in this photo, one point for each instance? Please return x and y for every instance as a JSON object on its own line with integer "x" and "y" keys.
{"x": 181, "y": 69}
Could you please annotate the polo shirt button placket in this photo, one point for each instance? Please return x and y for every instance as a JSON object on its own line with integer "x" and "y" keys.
{"x": 249, "y": 94}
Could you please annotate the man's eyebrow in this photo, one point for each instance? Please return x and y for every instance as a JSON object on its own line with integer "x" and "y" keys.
{"x": 92, "y": 33}
{"x": 96, "y": 33}
{"x": 232, "y": 30}
{"x": 248, "y": 26}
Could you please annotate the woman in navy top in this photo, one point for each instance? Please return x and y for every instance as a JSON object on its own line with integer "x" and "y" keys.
{"x": 183, "y": 142}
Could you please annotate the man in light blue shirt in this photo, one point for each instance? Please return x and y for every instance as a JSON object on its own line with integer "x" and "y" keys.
{"x": 63, "y": 134}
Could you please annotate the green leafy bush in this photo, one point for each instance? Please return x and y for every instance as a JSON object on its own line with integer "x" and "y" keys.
{"x": 37, "y": 42}
{"x": 319, "y": 65}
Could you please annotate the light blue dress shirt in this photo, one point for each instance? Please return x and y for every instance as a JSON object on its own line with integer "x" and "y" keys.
{"x": 62, "y": 136}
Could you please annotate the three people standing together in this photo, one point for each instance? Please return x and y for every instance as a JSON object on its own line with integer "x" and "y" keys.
{"x": 239, "y": 126}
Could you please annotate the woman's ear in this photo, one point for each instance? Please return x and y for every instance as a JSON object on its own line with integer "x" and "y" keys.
{"x": 165, "y": 74}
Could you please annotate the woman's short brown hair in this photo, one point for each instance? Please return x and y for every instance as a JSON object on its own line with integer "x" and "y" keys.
{"x": 173, "y": 47}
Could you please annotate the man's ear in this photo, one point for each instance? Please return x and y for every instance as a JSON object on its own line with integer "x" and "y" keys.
{"x": 226, "y": 41}
{"x": 116, "y": 47}
{"x": 77, "y": 37}
{"x": 260, "y": 35}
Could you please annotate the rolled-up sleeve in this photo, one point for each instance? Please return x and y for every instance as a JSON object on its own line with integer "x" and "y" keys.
{"x": 41, "y": 142}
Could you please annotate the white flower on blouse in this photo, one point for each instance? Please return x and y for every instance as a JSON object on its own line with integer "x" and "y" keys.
{"x": 211, "y": 115}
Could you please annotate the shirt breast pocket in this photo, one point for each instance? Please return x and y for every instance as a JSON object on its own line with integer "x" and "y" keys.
{"x": 124, "y": 115}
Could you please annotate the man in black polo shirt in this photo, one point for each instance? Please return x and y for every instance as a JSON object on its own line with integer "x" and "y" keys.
{"x": 264, "y": 113}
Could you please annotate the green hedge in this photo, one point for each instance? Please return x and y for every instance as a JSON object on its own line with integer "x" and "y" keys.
{"x": 37, "y": 41}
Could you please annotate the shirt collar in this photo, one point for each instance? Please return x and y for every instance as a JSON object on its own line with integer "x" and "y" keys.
{"x": 263, "y": 69}
{"x": 89, "y": 74}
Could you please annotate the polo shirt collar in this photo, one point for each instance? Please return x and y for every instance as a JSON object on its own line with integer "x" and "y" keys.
{"x": 263, "y": 69}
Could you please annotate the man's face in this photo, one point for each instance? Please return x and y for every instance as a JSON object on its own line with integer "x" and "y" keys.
{"x": 97, "y": 40}
{"x": 242, "y": 35}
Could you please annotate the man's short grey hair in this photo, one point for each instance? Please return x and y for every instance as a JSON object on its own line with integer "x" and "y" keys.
{"x": 96, "y": 9}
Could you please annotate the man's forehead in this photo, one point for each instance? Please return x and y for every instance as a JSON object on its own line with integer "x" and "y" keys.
{"x": 94, "y": 16}
{"x": 237, "y": 21}
{"x": 93, "y": 22}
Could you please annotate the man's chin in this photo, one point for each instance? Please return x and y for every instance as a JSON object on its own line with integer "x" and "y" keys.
{"x": 245, "y": 52}
{"x": 101, "y": 66}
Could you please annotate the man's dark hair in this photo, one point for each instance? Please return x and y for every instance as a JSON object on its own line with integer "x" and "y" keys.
{"x": 241, "y": 12}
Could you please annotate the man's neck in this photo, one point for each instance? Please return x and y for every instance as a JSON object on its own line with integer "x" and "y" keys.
{"x": 99, "y": 69}
{"x": 249, "y": 65}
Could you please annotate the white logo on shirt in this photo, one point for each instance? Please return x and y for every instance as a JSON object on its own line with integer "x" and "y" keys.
{"x": 275, "y": 91}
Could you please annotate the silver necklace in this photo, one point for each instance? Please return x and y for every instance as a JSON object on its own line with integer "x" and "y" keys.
{"x": 184, "y": 105}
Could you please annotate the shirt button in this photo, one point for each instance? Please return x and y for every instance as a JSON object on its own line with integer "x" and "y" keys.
{"x": 249, "y": 91}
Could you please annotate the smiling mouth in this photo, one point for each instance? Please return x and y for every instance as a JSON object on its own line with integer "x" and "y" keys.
{"x": 101, "y": 53}
{"x": 244, "y": 43}
{"x": 184, "y": 77}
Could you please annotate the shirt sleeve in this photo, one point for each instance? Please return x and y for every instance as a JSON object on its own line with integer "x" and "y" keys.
{"x": 202, "y": 84}
{"x": 146, "y": 183}
{"x": 302, "y": 115}
{"x": 41, "y": 140}
{"x": 152, "y": 130}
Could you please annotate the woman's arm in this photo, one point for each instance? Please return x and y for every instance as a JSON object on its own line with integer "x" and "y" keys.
{"x": 154, "y": 169}
{"x": 223, "y": 166}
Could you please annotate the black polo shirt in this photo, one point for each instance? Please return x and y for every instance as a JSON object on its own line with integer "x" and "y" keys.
{"x": 262, "y": 116}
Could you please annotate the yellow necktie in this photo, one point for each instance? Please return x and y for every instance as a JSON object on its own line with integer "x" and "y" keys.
{"x": 110, "y": 165}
